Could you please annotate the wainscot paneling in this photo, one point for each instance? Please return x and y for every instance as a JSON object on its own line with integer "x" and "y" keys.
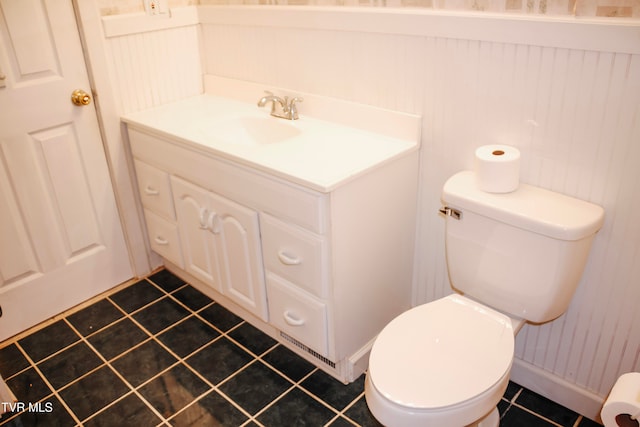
{"x": 154, "y": 60}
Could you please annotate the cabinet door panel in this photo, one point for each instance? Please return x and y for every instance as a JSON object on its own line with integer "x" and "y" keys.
{"x": 237, "y": 236}
{"x": 192, "y": 205}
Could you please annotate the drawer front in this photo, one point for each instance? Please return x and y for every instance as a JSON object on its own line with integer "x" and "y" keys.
{"x": 164, "y": 238}
{"x": 295, "y": 254}
{"x": 258, "y": 190}
{"x": 298, "y": 314}
{"x": 155, "y": 190}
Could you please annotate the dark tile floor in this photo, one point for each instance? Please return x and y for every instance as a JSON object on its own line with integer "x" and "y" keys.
{"x": 160, "y": 353}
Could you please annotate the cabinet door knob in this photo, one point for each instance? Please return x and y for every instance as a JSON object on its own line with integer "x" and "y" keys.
{"x": 292, "y": 320}
{"x": 202, "y": 217}
{"x": 214, "y": 223}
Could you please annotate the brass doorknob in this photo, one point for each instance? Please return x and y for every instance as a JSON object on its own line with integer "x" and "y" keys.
{"x": 80, "y": 97}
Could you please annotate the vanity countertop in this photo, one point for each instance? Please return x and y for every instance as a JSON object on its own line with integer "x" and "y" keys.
{"x": 314, "y": 153}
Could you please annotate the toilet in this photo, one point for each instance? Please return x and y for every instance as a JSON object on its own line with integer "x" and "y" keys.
{"x": 512, "y": 258}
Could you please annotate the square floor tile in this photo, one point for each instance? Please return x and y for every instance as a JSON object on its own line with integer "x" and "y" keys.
{"x": 117, "y": 338}
{"x": 130, "y": 411}
{"x": 296, "y": 408}
{"x": 332, "y": 391}
{"x": 12, "y": 361}
{"x": 160, "y": 315}
{"x": 511, "y": 391}
{"x": 192, "y": 298}
{"x": 211, "y": 410}
{"x": 288, "y": 363}
{"x": 167, "y": 280}
{"x": 28, "y": 386}
{"x": 252, "y": 338}
{"x": 70, "y": 364}
{"x": 220, "y": 317}
{"x": 173, "y": 390}
{"x": 255, "y": 387}
{"x": 95, "y": 317}
{"x": 143, "y": 362}
{"x": 545, "y": 407}
{"x": 47, "y": 341}
{"x": 360, "y": 413}
{"x": 219, "y": 360}
{"x": 136, "y": 296}
{"x": 517, "y": 417}
{"x": 93, "y": 392}
{"x": 50, "y": 413}
{"x": 187, "y": 336}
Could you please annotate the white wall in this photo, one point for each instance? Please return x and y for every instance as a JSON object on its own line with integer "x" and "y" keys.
{"x": 565, "y": 92}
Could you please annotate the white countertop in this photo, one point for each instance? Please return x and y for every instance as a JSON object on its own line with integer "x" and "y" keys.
{"x": 317, "y": 154}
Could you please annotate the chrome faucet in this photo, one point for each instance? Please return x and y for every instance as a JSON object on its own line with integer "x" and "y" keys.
{"x": 283, "y": 108}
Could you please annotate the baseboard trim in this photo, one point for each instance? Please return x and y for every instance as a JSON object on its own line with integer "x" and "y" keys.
{"x": 567, "y": 394}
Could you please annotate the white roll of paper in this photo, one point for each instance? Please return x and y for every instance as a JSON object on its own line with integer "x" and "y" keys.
{"x": 622, "y": 407}
{"x": 497, "y": 168}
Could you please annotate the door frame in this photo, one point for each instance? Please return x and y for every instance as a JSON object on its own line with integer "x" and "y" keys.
{"x": 119, "y": 159}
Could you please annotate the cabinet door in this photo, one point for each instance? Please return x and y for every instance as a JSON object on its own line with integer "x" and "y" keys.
{"x": 193, "y": 211}
{"x": 237, "y": 237}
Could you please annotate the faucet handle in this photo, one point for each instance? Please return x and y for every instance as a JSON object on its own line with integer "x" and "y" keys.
{"x": 293, "y": 110}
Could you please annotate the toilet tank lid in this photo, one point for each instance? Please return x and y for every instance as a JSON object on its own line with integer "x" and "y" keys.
{"x": 531, "y": 208}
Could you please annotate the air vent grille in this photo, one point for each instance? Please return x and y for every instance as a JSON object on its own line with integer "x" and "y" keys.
{"x": 308, "y": 350}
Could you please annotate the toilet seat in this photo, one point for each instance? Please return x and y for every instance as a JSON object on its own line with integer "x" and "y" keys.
{"x": 441, "y": 354}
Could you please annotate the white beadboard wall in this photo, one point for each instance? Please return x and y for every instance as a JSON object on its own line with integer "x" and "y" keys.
{"x": 154, "y": 60}
{"x": 565, "y": 92}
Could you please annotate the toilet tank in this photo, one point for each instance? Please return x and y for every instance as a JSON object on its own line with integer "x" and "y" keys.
{"x": 523, "y": 252}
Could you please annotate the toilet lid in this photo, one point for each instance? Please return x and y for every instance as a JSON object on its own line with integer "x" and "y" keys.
{"x": 441, "y": 353}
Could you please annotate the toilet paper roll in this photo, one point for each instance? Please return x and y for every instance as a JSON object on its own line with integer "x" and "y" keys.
{"x": 622, "y": 407}
{"x": 497, "y": 168}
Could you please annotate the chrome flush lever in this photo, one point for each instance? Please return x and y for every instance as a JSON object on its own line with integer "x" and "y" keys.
{"x": 447, "y": 211}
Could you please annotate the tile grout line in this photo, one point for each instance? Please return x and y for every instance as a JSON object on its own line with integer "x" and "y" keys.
{"x": 223, "y": 334}
{"x": 155, "y": 337}
{"x": 54, "y": 391}
{"x": 107, "y": 363}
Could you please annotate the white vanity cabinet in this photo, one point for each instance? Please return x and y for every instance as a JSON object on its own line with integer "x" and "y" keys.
{"x": 315, "y": 248}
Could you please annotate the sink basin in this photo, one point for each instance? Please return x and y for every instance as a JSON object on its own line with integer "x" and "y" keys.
{"x": 253, "y": 130}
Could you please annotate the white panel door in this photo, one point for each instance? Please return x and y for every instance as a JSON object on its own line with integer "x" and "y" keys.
{"x": 193, "y": 212}
{"x": 237, "y": 237}
{"x": 61, "y": 240}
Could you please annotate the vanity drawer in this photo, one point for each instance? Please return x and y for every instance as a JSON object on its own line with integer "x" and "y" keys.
{"x": 297, "y": 314}
{"x": 164, "y": 238}
{"x": 295, "y": 254}
{"x": 155, "y": 190}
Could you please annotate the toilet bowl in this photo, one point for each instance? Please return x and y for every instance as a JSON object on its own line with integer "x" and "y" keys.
{"x": 445, "y": 363}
